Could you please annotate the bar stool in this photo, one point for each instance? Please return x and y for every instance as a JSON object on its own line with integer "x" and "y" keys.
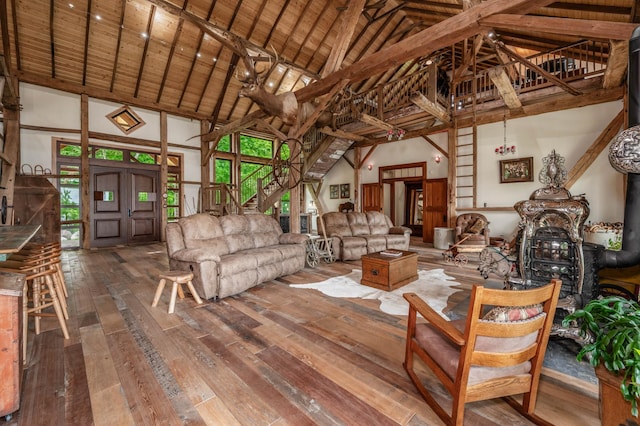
{"x": 178, "y": 278}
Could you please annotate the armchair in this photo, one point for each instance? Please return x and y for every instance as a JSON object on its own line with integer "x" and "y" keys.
{"x": 473, "y": 228}
{"x": 481, "y": 358}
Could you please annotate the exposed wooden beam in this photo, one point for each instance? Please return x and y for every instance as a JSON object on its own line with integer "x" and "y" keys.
{"x": 269, "y": 128}
{"x": 235, "y": 43}
{"x": 319, "y": 109}
{"x": 52, "y": 43}
{"x": 444, "y": 153}
{"x": 123, "y": 4}
{"x": 349, "y": 22}
{"x": 617, "y": 64}
{"x": 595, "y": 149}
{"x": 431, "y": 107}
{"x": 505, "y": 88}
{"x": 552, "y": 78}
{"x": 442, "y": 34}
{"x": 581, "y": 28}
{"x": 145, "y": 49}
{"x": 373, "y": 121}
{"x": 176, "y": 36}
{"x": 342, "y": 134}
{"x": 247, "y": 121}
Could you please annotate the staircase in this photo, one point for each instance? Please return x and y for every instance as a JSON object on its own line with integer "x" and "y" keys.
{"x": 257, "y": 194}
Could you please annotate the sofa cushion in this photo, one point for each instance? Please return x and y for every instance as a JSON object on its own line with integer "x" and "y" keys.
{"x": 232, "y": 264}
{"x": 265, "y": 255}
{"x": 237, "y": 233}
{"x": 375, "y": 243}
{"x": 336, "y": 224}
{"x": 358, "y": 223}
{"x": 264, "y": 230}
{"x": 377, "y": 223}
{"x": 204, "y": 231}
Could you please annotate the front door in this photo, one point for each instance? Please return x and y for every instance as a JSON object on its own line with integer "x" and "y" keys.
{"x": 124, "y": 206}
{"x": 371, "y": 197}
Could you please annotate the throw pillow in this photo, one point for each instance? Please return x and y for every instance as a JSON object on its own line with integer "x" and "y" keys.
{"x": 513, "y": 313}
{"x": 477, "y": 226}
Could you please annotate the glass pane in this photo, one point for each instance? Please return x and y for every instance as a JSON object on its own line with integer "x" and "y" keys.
{"x": 108, "y": 154}
{"x": 143, "y": 158}
{"x": 70, "y": 235}
{"x": 107, "y": 196}
{"x": 69, "y": 170}
{"x": 70, "y": 150}
{"x": 173, "y": 161}
{"x": 284, "y": 151}
{"x": 256, "y": 147}
{"x": 224, "y": 144}
{"x": 143, "y": 196}
{"x": 223, "y": 171}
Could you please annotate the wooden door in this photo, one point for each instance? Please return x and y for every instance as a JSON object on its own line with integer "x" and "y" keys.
{"x": 371, "y": 197}
{"x": 124, "y": 206}
{"x": 435, "y": 207}
{"x": 108, "y": 206}
{"x": 143, "y": 210}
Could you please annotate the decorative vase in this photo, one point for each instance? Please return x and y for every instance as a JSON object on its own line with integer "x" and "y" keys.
{"x": 614, "y": 409}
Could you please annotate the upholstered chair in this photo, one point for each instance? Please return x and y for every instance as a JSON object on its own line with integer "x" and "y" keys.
{"x": 472, "y": 228}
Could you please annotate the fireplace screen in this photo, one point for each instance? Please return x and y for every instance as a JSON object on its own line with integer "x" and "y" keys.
{"x": 553, "y": 255}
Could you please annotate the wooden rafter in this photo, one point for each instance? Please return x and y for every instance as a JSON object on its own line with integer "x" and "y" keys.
{"x": 208, "y": 80}
{"x": 440, "y": 35}
{"x": 502, "y": 82}
{"x": 52, "y": 43}
{"x": 595, "y": 149}
{"x": 547, "y": 75}
{"x": 216, "y": 110}
{"x": 145, "y": 49}
{"x": 617, "y": 64}
{"x": 592, "y": 29}
{"x": 195, "y": 57}
{"x": 431, "y": 107}
{"x": 244, "y": 123}
{"x": 341, "y": 134}
{"x": 319, "y": 109}
{"x": 431, "y": 142}
{"x": 123, "y": 4}
{"x": 347, "y": 28}
{"x": 376, "y": 122}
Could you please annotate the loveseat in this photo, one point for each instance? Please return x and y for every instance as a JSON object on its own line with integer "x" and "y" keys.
{"x": 231, "y": 254}
{"x": 354, "y": 234}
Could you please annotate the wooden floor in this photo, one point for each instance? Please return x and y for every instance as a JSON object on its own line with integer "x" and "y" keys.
{"x": 272, "y": 355}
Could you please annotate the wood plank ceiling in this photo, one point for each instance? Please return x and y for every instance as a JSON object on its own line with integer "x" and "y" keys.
{"x": 181, "y": 56}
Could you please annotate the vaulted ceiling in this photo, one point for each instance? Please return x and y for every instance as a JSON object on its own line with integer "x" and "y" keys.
{"x": 186, "y": 57}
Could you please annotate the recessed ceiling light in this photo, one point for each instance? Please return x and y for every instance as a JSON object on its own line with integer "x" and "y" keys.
{"x": 98, "y": 17}
{"x": 71, "y": 5}
{"x": 215, "y": 59}
{"x": 198, "y": 54}
{"x": 144, "y": 35}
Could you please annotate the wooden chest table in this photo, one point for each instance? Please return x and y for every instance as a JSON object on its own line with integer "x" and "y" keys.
{"x": 389, "y": 272}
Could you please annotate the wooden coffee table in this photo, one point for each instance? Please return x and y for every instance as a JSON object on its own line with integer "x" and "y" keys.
{"x": 389, "y": 272}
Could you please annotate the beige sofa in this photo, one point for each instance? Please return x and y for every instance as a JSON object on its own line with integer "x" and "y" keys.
{"x": 231, "y": 254}
{"x": 354, "y": 234}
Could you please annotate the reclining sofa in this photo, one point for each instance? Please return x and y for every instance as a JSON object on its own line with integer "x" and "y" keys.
{"x": 354, "y": 234}
{"x": 231, "y": 254}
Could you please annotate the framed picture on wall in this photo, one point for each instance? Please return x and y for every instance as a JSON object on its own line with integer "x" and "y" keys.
{"x": 516, "y": 170}
{"x": 333, "y": 191}
{"x": 345, "y": 191}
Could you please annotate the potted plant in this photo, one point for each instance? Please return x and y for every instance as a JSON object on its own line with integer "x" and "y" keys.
{"x": 613, "y": 324}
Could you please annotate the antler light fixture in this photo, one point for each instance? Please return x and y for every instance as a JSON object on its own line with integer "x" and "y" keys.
{"x": 504, "y": 149}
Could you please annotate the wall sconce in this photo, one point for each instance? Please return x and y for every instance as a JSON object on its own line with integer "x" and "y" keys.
{"x": 437, "y": 159}
{"x": 369, "y": 166}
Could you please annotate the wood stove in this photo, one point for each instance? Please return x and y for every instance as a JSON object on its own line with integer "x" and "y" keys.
{"x": 550, "y": 242}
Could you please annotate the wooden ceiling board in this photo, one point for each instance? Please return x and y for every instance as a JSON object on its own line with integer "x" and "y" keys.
{"x": 33, "y": 37}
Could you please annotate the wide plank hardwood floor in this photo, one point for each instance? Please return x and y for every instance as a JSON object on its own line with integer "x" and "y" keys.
{"x": 272, "y": 355}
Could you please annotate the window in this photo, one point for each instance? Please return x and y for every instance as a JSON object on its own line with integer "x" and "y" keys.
{"x": 222, "y": 171}
{"x": 256, "y": 147}
{"x": 108, "y": 154}
{"x": 70, "y": 205}
{"x": 172, "y": 202}
{"x": 126, "y": 120}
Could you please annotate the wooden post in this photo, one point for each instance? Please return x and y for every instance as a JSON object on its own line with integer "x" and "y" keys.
{"x": 164, "y": 170}
{"x": 205, "y": 170}
{"x": 85, "y": 201}
{"x": 357, "y": 172}
{"x": 11, "y": 161}
{"x": 451, "y": 176}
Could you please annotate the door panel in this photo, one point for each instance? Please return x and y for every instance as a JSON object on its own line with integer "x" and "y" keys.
{"x": 144, "y": 215}
{"x": 435, "y": 207}
{"x": 107, "y": 215}
{"x": 371, "y": 197}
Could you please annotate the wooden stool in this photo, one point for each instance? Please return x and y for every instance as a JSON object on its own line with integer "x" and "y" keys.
{"x": 178, "y": 278}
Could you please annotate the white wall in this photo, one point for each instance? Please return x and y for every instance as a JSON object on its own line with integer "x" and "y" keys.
{"x": 49, "y": 108}
{"x": 569, "y": 132}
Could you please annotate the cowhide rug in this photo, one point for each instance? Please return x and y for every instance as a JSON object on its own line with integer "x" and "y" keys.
{"x": 433, "y": 286}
